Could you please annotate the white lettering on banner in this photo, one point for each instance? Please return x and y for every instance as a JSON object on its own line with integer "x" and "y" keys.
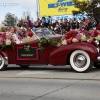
{"x": 58, "y": 18}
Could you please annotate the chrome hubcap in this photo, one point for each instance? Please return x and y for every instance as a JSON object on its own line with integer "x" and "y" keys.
{"x": 80, "y": 61}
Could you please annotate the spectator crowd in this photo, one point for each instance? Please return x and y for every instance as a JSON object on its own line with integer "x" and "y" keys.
{"x": 63, "y": 26}
{"x": 56, "y": 27}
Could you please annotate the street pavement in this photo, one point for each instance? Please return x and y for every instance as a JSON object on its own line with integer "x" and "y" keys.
{"x": 42, "y": 82}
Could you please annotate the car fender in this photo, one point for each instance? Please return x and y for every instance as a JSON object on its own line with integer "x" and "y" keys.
{"x": 60, "y": 55}
{"x": 4, "y": 55}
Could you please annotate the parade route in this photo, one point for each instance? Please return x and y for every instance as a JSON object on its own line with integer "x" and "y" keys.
{"x": 49, "y": 72}
{"x": 50, "y": 50}
{"x": 44, "y": 82}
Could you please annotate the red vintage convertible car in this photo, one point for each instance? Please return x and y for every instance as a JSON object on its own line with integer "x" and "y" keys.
{"x": 80, "y": 55}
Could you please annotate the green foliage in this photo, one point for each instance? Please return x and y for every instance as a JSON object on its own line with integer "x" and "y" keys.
{"x": 12, "y": 44}
{"x": 3, "y": 46}
{"x": 10, "y": 20}
{"x": 81, "y": 5}
{"x": 92, "y": 8}
{"x": 21, "y": 23}
{"x": 45, "y": 40}
{"x": 3, "y": 29}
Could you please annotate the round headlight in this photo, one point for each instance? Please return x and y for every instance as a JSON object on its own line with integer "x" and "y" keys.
{"x": 96, "y": 42}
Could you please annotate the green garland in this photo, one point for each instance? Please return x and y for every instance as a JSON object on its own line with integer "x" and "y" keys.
{"x": 2, "y": 46}
{"x": 45, "y": 40}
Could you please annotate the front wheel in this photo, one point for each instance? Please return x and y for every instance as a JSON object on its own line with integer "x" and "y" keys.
{"x": 2, "y": 64}
{"x": 80, "y": 61}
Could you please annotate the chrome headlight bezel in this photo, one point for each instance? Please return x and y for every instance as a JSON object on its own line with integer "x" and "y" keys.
{"x": 96, "y": 42}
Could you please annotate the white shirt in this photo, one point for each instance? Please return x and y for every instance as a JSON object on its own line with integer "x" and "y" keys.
{"x": 15, "y": 37}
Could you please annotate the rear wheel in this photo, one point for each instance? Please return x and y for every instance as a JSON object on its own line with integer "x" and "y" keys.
{"x": 2, "y": 64}
{"x": 80, "y": 61}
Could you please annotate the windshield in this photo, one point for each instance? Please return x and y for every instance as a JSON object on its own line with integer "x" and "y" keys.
{"x": 40, "y": 32}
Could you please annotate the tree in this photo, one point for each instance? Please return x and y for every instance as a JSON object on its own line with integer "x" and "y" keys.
{"x": 91, "y": 7}
{"x": 10, "y": 20}
{"x": 26, "y": 20}
{"x": 21, "y": 22}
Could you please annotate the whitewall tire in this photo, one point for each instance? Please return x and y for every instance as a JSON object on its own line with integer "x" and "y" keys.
{"x": 2, "y": 64}
{"x": 80, "y": 61}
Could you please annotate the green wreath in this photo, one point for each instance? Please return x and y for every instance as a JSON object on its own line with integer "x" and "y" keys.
{"x": 45, "y": 40}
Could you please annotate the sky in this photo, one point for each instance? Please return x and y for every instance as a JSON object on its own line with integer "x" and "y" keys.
{"x": 17, "y": 7}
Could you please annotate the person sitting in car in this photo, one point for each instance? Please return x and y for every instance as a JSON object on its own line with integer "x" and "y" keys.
{"x": 39, "y": 33}
{"x": 12, "y": 31}
{"x": 20, "y": 33}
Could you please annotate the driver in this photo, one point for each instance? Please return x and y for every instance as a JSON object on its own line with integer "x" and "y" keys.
{"x": 39, "y": 33}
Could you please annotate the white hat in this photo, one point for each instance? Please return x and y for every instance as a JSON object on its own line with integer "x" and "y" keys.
{"x": 39, "y": 30}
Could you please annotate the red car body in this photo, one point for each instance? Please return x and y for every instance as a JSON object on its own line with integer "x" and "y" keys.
{"x": 51, "y": 54}
{"x": 80, "y": 55}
